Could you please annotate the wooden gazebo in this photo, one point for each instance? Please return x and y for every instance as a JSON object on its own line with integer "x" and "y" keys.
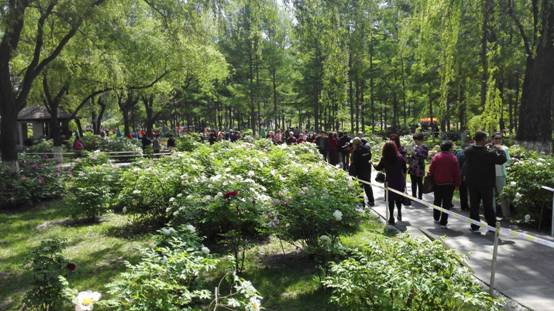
{"x": 39, "y": 120}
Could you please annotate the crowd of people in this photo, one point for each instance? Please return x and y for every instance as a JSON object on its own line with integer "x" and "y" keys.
{"x": 477, "y": 170}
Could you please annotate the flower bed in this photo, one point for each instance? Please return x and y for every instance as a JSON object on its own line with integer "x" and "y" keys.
{"x": 38, "y": 179}
{"x": 238, "y": 194}
{"x": 526, "y": 176}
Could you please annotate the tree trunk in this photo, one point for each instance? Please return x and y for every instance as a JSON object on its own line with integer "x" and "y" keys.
{"x": 535, "y": 115}
{"x": 486, "y": 11}
{"x": 55, "y": 132}
{"x": 350, "y": 90}
{"x": 98, "y": 122}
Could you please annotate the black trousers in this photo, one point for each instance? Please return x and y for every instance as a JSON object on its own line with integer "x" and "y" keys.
{"x": 394, "y": 199}
{"x": 443, "y": 198}
{"x": 464, "y": 197}
{"x": 476, "y": 195}
{"x": 367, "y": 188}
{"x": 417, "y": 186}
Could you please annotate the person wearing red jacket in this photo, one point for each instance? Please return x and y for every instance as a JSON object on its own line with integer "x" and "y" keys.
{"x": 445, "y": 173}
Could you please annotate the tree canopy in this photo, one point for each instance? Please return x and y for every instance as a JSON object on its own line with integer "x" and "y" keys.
{"x": 353, "y": 65}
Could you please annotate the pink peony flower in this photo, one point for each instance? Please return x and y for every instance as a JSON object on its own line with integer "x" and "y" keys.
{"x": 230, "y": 194}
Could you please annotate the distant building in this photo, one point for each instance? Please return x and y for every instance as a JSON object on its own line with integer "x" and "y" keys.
{"x": 35, "y": 120}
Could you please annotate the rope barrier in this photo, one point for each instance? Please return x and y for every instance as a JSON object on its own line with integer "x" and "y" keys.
{"x": 505, "y": 232}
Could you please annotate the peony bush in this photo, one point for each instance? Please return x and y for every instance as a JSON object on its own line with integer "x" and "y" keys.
{"x": 523, "y": 187}
{"x": 38, "y": 179}
{"x": 405, "y": 274}
{"x": 91, "y": 192}
{"x": 317, "y": 200}
{"x": 173, "y": 276}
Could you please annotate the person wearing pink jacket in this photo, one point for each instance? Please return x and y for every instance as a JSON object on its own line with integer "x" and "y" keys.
{"x": 445, "y": 173}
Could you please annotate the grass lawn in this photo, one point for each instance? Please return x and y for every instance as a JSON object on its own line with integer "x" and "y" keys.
{"x": 98, "y": 250}
{"x": 287, "y": 281}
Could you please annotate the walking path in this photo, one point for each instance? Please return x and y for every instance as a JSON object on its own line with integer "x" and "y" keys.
{"x": 524, "y": 270}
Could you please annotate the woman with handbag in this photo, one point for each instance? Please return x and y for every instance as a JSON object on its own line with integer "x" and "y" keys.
{"x": 394, "y": 166}
{"x": 445, "y": 173}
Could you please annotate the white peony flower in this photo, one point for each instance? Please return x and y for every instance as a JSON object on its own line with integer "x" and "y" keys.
{"x": 254, "y": 304}
{"x": 251, "y": 174}
{"x": 324, "y": 240}
{"x": 338, "y": 215}
{"x": 233, "y": 303}
{"x": 513, "y": 184}
{"x": 85, "y": 300}
{"x": 191, "y": 228}
{"x": 205, "y": 250}
{"x": 171, "y": 200}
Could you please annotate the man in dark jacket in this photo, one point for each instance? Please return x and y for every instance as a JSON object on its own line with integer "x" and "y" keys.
{"x": 361, "y": 166}
{"x": 343, "y": 152}
{"x": 480, "y": 175}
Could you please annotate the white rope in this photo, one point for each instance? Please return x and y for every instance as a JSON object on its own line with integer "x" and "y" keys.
{"x": 509, "y": 233}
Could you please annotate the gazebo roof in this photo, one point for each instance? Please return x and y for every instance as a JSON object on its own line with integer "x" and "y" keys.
{"x": 37, "y": 113}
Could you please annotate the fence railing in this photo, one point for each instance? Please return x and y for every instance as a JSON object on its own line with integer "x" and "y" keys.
{"x": 483, "y": 226}
{"x": 552, "y": 225}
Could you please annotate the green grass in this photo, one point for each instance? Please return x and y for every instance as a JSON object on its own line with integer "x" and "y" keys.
{"x": 98, "y": 250}
{"x": 286, "y": 277}
{"x": 289, "y": 280}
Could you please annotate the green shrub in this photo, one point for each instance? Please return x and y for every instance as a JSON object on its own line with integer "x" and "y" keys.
{"x": 90, "y": 159}
{"x": 43, "y": 146}
{"x": 521, "y": 153}
{"x": 90, "y": 141}
{"x": 38, "y": 179}
{"x": 523, "y": 187}
{"x": 406, "y": 275}
{"x": 317, "y": 200}
{"x": 188, "y": 142}
{"x": 226, "y": 207}
{"x": 47, "y": 290}
{"x": 91, "y": 191}
{"x": 148, "y": 186}
{"x": 118, "y": 144}
{"x": 170, "y": 277}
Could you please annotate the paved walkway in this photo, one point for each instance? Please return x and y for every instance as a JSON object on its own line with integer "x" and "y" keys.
{"x": 525, "y": 270}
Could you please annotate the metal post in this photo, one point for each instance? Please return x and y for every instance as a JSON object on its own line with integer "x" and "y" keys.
{"x": 494, "y": 254}
{"x": 552, "y": 230}
{"x": 386, "y": 203}
{"x": 551, "y": 190}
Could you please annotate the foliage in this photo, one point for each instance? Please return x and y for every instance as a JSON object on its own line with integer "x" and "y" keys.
{"x": 148, "y": 186}
{"x": 523, "y": 186}
{"x": 318, "y": 200}
{"x": 111, "y": 144}
{"x": 169, "y": 277}
{"x": 91, "y": 191}
{"x": 187, "y": 142}
{"x": 90, "y": 159}
{"x": 226, "y": 206}
{"x": 406, "y": 275}
{"x": 47, "y": 263}
{"x": 90, "y": 141}
{"x": 43, "y": 146}
{"x": 38, "y": 179}
{"x": 521, "y": 153}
